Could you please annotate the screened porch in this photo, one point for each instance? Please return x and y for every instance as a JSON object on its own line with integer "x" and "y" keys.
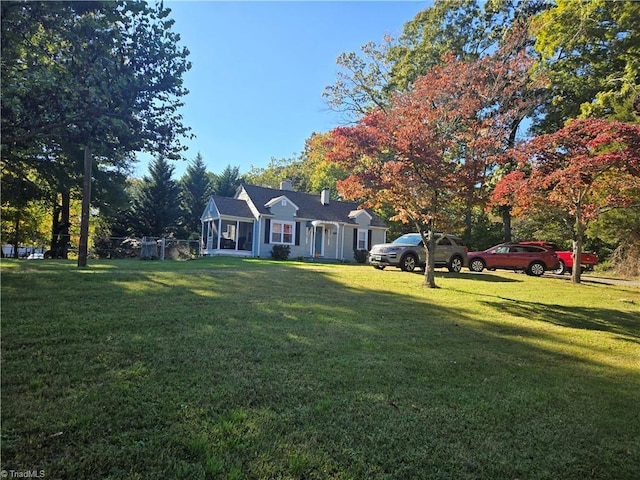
{"x": 227, "y": 237}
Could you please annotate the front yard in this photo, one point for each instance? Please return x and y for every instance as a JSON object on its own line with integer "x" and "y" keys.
{"x": 245, "y": 368}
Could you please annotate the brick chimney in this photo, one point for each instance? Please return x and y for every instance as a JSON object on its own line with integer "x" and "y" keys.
{"x": 286, "y": 185}
{"x": 324, "y": 196}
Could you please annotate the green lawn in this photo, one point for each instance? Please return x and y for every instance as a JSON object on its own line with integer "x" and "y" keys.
{"x": 230, "y": 368}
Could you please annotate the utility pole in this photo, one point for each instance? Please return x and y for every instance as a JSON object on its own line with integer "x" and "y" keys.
{"x": 86, "y": 204}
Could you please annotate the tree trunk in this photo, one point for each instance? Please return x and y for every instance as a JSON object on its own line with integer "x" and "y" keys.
{"x": 17, "y": 234}
{"x": 506, "y": 210}
{"x": 506, "y": 223}
{"x": 55, "y": 229}
{"x": 60, "y": 228}
{"x": 86, "y": 204}
{"x": 576, "y": 273}
{"x": 430, "y": 246}
{"x": 66, "y": 223}
{"x": 468, "y": 218}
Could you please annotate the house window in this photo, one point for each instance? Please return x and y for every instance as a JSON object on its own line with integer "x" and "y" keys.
{"x": 363, "y": 237}
{"x": 282, "y": 232}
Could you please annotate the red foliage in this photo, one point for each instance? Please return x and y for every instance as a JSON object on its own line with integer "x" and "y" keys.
{"x": 583, "y": 168}
{"x": 437, "y": 141}
{"x": 587, "y": 165}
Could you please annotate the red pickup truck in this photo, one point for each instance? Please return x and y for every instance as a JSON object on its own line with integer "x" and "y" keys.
{"x": 565, "y": 264}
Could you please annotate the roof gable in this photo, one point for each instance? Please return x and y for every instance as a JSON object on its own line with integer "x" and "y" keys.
{"x": 357, "y": 213}
{"x": 210, "y": 211}
{"x": 281, "y": 199}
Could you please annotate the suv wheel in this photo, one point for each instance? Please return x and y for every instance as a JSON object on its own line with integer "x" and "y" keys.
{"x": 476, "y": 265}
{"x": 455, "y": 265}
{"x": 536, "y": 269}
{"x": 409, "y": 262}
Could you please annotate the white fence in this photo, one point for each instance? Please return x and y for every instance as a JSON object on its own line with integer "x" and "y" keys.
{"x": 8, "y": 251}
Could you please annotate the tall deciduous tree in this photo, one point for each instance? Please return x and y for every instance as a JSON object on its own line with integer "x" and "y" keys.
{"x": 321, "y": 173}
{"x": 591, "y": 53}
{"x": 362, "y": 81}
{"x": 103, "y": 75}
{"x": 467, "y": 29}
{"x": 310, "y": 172}
{"x": 588, "y": 166}
{"x": 109, "y": 72}
{"x": 394, "y": 160}
{"x": 434, "y": 146}
{"x": 279, "y": 169}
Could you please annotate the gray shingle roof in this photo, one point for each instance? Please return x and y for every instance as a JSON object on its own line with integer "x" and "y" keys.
{"x": 232, "y": 207}
{"x": 310, "y": 206}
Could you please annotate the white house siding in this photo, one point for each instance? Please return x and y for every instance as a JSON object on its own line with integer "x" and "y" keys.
{"x": 378, "y": 236}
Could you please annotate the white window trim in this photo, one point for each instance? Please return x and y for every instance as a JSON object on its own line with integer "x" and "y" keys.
{"x": 283, "y": 223}
{"x": 366, "y": 239}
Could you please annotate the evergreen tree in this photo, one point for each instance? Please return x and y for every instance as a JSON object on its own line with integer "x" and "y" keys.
{"x": 156, "y": 206}
{"x": 196, "y": 188}
{"x": 226, "y": 183}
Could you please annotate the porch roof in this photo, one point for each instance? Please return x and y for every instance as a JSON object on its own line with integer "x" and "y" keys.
{"x": 232, "y": 207}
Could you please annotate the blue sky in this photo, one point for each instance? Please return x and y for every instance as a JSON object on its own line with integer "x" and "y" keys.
{"x": 260, "y": 68}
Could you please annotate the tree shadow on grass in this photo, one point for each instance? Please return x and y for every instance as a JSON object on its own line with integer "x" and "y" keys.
{"x": 254, "y": 370}
{"x": 484, "y": 277}
{"x": 586, "y": 318}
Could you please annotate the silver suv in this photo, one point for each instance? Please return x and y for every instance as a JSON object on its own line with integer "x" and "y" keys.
{"x": 408, "y": 253}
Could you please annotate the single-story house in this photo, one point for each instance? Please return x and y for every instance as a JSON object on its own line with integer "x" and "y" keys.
{"x": 257, "y": 218}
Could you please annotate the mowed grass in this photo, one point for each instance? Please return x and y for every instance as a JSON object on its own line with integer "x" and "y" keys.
{"x": 231, "y": 369}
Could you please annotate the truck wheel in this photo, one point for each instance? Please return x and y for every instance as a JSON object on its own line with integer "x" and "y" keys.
{"x": 561, "y": 268}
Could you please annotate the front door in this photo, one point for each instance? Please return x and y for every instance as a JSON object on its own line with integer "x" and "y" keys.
{"x": 318, "y": 247}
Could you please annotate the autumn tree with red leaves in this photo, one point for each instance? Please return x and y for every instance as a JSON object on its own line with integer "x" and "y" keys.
{"x": 583, "y": 169}
{"x": 399, "y": 165}
{"x": 434, "y": 146}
